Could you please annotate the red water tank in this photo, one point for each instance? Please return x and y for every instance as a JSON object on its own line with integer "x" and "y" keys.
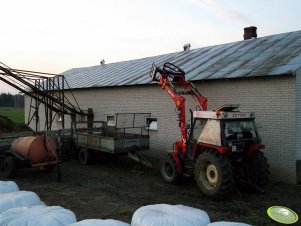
{"x": 38, "y": 149}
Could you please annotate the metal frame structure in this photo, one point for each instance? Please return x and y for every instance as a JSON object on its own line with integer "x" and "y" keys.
{"x": 170, "y": 76}
{"x": 44, "y": 89}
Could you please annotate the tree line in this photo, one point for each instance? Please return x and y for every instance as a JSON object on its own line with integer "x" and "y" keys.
{"x": 9, "y": 100}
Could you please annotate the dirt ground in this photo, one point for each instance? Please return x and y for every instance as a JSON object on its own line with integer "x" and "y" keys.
{"x": 114, "y": 190}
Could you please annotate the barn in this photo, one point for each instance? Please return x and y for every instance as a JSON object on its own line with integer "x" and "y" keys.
{"x": 263, "y": 75}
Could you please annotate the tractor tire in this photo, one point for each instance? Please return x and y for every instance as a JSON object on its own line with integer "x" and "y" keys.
{"x": 169, "y": 170}
{"x": 9, "y": 167}
{"x": 214, "y": 174}
{"x": 258, "y": 169}
{"x": 84, "y": 156}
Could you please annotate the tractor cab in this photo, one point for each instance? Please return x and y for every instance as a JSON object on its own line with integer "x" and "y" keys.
{"x": 227, "y": 128}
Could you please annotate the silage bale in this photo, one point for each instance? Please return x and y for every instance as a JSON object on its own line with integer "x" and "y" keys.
{"x": 169, "y": 215}
{"x": 99, "y": 222}
{"x": 8, "y": 186}
{"x": 18, "y": 199}
{"x": 40, "y": 215}
{"x": 226, "y": 223}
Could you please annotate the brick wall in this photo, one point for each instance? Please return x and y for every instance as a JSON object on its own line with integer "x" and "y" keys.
{"x": 298, "y": 125}
{"x": 272, "y": 100}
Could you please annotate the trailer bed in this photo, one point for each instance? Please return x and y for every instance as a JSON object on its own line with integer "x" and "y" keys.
{"x": 126, "y": 132}
{"x": 114, "y": 145}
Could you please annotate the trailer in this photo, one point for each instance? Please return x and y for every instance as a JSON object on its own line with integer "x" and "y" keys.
{"x": 27, "y": 150}
{"x": 121, "y": 133}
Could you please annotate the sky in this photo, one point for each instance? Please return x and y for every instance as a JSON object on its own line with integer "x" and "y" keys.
{"x": 56, "y": 35}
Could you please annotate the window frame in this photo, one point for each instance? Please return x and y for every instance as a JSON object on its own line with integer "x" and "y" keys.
{"x": 148, "y": 124}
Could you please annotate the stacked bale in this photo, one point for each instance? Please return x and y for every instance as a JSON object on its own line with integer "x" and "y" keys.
{"x": 16, "y": 199}
{"x": 99, "y": 222}
{"x": 22, "y": 208}
{"x": 8, "y": 186}
{"x": 37, "y": 215}
{"x": 166, "y": 215}
{"x": 225, "y": 223}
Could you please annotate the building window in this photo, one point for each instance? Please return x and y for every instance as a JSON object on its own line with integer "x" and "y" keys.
{"x": 59, "y": 117}
{"x": 151, "y": 123}
{"x": 111, "y": 120}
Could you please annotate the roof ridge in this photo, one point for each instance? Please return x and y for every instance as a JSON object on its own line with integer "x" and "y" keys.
{"x": 229, "y": 60}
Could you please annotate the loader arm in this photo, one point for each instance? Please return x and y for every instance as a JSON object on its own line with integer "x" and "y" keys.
{"x": 168, "y": 76}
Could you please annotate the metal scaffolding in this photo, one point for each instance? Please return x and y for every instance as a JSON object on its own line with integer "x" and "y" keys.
{"x": 45, "y": 89}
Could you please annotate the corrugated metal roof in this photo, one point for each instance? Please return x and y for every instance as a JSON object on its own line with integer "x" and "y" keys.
{"x": 267, "y": 56}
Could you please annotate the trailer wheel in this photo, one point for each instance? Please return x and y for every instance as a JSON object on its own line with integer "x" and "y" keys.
{"x": 9, "y": 167}
{"x": 258, "y": 169}
{"x": 169, "y": 170}
{"x": 214, "y": 174}
{"x": 85, "y": 157}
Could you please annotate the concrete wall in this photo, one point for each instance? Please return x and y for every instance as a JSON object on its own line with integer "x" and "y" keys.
{"x": 272, "y": 100}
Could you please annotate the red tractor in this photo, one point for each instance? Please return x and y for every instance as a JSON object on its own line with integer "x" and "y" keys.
{"x": 220, "y": 148}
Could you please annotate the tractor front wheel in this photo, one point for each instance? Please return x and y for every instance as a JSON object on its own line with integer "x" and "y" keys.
{"x": 169, "y": 170}
{"x": 214, "y": 174}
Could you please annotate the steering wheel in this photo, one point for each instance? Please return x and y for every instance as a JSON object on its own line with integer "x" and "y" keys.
{"x": 172, "y": 69}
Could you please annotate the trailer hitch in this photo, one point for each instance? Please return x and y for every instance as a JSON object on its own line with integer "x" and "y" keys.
{"x": 138, "y": 158}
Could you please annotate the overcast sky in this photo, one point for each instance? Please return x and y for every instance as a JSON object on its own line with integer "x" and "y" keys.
{"x": 56, "y": 35}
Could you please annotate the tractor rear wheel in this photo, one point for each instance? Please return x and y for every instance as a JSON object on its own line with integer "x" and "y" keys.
{"x": 9, "y": 167}
{"x": 84, "y": 156}
{"x": 214, "y": 174}
{"x": 258, "y": 169}
{"x": 169, "y": 170}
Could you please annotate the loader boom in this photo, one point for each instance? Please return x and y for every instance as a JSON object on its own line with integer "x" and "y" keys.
{"x": 170, "y": 77}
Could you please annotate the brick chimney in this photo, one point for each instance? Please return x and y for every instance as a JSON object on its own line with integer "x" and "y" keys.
{"x": 250, "y": 32}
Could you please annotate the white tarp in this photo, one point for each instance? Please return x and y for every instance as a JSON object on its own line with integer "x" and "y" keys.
{"x": 225, "y": 223}
{"x": 18, "y": 199}
{"x": 8, "y": 186}
{"x": 99, "y": 222}
{"x": 40, "y": 215}
{"x": 169, "y": 215}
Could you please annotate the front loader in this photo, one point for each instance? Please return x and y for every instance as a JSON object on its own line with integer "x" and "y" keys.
{"x": 220, "y": 148}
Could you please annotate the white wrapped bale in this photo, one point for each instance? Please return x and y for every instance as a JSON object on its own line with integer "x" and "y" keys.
{"x": 169, "y": 215}
{"x": 99, "y": 222}
{"x": 40, "y": 215}
{"x": 18, "y": 199}
{"x": 225, "y": 223}
{"x": 8, "y": 186}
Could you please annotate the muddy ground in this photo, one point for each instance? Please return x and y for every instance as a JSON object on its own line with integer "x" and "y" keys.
{"x": 114, "y": 190}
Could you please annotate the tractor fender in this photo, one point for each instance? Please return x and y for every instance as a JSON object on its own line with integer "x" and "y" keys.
{"x": 174, "y": 155}
{"x": 202, "y": 147}
{"x": 254, "y": 148}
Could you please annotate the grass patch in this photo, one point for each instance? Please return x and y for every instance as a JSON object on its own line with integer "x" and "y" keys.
{"x": 14, "y": 114}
